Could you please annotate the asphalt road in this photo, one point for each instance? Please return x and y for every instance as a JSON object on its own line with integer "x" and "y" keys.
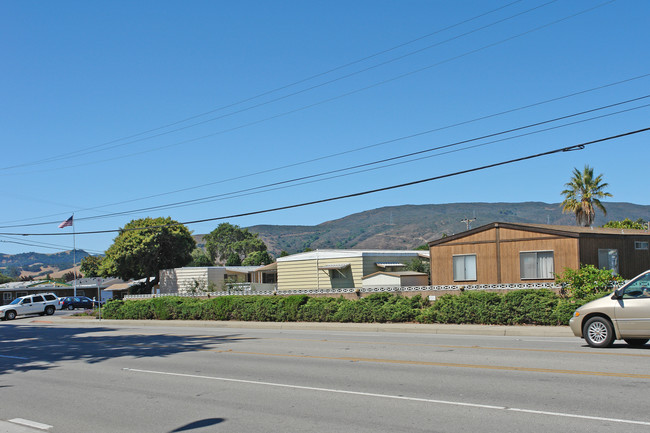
{"x": 85, "y": 377}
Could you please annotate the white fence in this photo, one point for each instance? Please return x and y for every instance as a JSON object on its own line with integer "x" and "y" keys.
{"x": 243, "y": 291}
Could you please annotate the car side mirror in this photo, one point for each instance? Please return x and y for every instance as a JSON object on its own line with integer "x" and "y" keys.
{"x": 618, "y": 294}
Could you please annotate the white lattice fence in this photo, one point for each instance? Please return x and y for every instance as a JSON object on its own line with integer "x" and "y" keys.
{"x": 445, "y": 288}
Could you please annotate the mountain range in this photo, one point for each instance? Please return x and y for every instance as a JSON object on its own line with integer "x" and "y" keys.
{"x": 392, "y": 227}
{"x": 38, "y": 264}
{"x": 410, "y": 226}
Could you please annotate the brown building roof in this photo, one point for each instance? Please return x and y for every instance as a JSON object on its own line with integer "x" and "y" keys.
{"x": 568, "y": 231}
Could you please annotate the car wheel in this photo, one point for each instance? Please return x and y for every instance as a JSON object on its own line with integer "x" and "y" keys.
{"x": 598, "y": 332}
{"x": 70, "y": 307}
{"x": 49, "y": 310}
{"x": 10, "y": 315}
{"x": 636, "y": 342}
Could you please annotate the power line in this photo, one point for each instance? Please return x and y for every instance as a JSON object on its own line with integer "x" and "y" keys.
{"x": 580, "y": 146}
{"x": 275, "y": 90}
{"x": 358, "y": 166}
{"x": 305, "y": 107}
{"x": 381, "y": 143}
{"x": 287, "y": 183}
{"x": 43, "y": 245}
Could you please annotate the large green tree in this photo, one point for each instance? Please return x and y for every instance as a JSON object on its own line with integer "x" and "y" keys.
{"x": 258, "y": 258}
{"x": 146, "y": 246}
{"x": 90, "y": 266}
{"x": 200, "y": 258}
{"x": 627, "y": 223}
{"x": 228, "y": 240}
{"x": 582, "y": 193}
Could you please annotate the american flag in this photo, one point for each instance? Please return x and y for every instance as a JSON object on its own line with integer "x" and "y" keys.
{"x": 66, "y": 223}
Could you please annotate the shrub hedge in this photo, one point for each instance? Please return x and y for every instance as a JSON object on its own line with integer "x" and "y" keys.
{"x": 521, "y": 307}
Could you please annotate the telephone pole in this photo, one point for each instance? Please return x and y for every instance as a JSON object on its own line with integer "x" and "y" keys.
{"x": 468, "y": 222}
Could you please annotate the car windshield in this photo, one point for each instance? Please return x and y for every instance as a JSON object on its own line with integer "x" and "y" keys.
{"x": 15, "y": 301}
{"x": 639, "y": 287}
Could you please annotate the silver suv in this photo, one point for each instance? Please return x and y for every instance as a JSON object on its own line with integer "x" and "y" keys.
{"x": 42, "y": 303}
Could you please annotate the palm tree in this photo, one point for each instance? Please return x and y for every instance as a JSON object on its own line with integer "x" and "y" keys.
{"x": 583, "y": 192}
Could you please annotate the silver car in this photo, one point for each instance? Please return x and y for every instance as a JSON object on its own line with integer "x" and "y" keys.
{"x": 625, "y": 314}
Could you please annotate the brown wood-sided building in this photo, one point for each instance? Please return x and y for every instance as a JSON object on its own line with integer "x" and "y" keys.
{"x": 511, "y": 253}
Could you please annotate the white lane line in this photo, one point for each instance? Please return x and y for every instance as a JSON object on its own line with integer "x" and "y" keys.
{"x": 12, "y": 357}
{"x": 394, "y": 397}
{"x": 29, "y": 423}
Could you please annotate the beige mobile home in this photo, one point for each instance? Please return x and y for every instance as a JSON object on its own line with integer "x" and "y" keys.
{"x": 338, "y": 269}
{"x": 207, "y": 278}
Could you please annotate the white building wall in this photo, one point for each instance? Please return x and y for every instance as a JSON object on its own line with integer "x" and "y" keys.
{"x": 183, "y": 280}
{"x": 382, "y": 280}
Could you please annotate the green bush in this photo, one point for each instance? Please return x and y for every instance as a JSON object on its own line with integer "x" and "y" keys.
{"x": 566, "y": 307}
{"x": 219, "y": 308}
{"x": 520, "y": 307}
{"x": 586, "y": 281}
{"x": 112, "y": 309}
{"x": 468, "y": 307}
{"x": 428, "y": 315}
{"x": 320, "y": 309}
{"x": 289, "y": 307}
{"x": 527, "y": 307}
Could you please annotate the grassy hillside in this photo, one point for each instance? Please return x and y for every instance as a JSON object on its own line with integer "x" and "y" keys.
{"x": 405, "y": 227}
{"x": 36, "y": 264}
{"x": 393, "y": 227}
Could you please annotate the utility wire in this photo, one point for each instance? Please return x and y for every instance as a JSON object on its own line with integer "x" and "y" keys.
{"x": 393, "y": 164}
{"x": 75, "y": 153}
{"x": 390, "y": 141}
{"x": 267, "y": 187}
{"x": 43, "y": 245}
{"x": 305, "y": 107}
{"x": 580, "y": 146}
{"x": 60, "y": 249}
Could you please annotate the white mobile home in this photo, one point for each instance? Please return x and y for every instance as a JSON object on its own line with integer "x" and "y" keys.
{"x": 206, "y": 279}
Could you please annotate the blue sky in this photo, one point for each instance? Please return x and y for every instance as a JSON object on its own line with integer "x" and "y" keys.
{"x": 117, "y": 107}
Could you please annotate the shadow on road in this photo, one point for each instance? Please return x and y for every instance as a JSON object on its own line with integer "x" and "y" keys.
{"x": 39, "y": 347}
{"x": 198, "y": 424}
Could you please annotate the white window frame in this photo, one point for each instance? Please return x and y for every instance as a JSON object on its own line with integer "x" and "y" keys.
{"x": 8, "y": 296}
{"x": 537, "y": 275}
{"x": 641, "y": 245}
{"x": 464, "y": 277}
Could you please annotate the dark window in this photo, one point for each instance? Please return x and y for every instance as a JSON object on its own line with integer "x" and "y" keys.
{"x": 639, "y": 245}
{"x": 608, "y": 259}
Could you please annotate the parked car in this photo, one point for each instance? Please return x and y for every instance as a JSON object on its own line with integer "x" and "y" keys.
{"x": 624, "y": 314}
{"x": 42, "y": 303}
{"x": 72, "y": 302}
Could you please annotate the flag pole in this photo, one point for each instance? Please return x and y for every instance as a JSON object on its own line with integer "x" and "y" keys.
{"x": 64, "y": 224}
{"x": 74, "y": 257}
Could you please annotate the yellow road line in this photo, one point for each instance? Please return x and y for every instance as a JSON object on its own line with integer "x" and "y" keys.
{"x": 447, "y": 346}
{"x": 443, "y": 364}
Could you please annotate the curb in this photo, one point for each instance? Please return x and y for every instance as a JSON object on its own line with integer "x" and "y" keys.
{"x": 514, "y": 331}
